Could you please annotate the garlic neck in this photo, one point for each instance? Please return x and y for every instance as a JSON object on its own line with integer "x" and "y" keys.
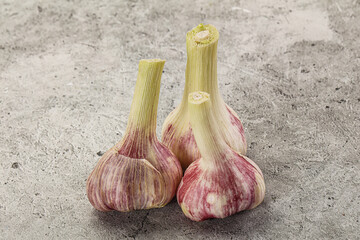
{"x": 141, "y": 126}
{"x": 201, "y": 67}
{"x": 205, "y": 127}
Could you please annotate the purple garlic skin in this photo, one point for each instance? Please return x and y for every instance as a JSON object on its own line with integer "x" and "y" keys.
{"x": 127, "y": 178}
{"x": 220, "y": 190}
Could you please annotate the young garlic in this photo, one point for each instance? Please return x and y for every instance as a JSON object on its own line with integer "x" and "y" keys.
{"x": 139, "y": 172}
{"x": 201, "y": 75}
{"x": 222, "y": 182}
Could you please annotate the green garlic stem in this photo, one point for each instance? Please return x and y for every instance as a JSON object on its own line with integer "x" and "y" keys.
{"x": 205, "y": 128}
{"x": 201, "y": 67}
{"x": 143, "y": 110}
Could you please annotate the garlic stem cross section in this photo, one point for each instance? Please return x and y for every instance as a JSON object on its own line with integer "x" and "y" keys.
{"x": 201, "y": 36}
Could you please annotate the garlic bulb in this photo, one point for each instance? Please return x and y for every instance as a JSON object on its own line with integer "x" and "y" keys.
{"x": 222, "y": 182}
{"x": 139, "y": 172}
{"x": 201, "y": 75}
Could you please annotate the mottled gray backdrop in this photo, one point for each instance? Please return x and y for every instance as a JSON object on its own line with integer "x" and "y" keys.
{"x": 290, "y": 69}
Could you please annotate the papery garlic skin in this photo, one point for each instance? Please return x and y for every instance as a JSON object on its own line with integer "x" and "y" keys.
{"x": 222, "y": 182}
{"x": 201, "y": 75}
{"x": 139, "y": 172}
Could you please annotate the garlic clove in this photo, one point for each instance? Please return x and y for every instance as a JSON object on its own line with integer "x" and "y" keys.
{"x": 201, "y": 75}
{"x": 222, "y": 182}
{"x": 139, "y": 172}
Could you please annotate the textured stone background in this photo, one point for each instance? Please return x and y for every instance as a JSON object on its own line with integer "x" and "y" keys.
{"x": 291, "y": 70}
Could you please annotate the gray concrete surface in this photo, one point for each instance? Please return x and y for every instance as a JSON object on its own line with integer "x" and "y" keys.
{"x": 291, "y": 69}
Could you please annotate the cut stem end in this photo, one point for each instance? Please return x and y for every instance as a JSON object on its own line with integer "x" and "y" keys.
{"x": 201, "y": 36}
{"x": 198, "y": 97}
